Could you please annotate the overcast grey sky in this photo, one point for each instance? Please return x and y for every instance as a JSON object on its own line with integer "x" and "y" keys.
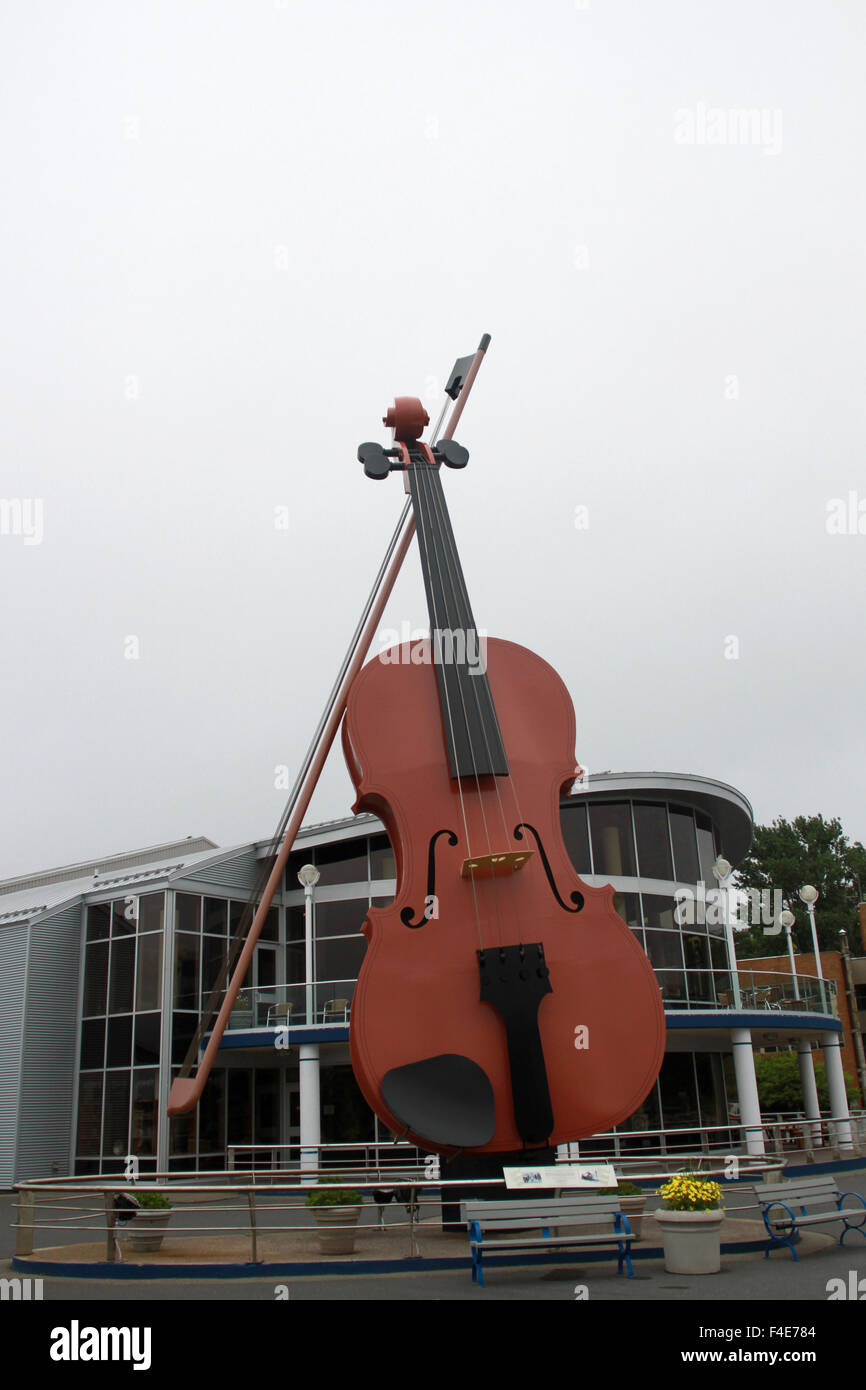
{"x": 234, "y": 230}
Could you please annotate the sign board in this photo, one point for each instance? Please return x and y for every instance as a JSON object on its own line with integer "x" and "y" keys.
{"x": 586, "y": 1175}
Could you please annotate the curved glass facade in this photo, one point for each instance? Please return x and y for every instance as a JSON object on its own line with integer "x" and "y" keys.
{"x": 145, "y": 978}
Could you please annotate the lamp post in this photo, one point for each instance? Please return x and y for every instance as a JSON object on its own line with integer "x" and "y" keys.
{"x": 308, "y": 1053}
{"x": 809, "y": 895}
{"x": 722, "y": 873}
{"x": 787, "y": 920}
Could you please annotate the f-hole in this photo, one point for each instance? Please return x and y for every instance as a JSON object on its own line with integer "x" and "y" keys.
{"x": 409, "y": 912}
{"x": 576, "y": 898}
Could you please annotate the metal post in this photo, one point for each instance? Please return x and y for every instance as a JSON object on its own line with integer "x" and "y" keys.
{"x": 111, "y": 1251}
{"x": 838, "y": 1094}
{"x": 251, "y": 1199}
{"x": 811, "y": 1104}
{"x": 747, "y": 1090}
{"x": 24, "y": 1233}
{"x": 311, "y": 1124}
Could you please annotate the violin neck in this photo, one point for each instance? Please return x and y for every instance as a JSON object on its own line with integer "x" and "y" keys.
{"x": 472, "y": 736}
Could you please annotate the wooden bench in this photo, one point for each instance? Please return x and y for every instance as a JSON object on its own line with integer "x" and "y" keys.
{"x": 820, "y": 1203}
{"x": 530, "y": 1225}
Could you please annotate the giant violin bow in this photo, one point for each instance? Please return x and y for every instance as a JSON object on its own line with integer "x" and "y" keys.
{"x": 187, "y": 1088}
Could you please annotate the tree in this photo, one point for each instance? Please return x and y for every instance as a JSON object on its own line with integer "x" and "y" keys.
{"x": 780, "y": 1087}
{"x": 786, "y": 855}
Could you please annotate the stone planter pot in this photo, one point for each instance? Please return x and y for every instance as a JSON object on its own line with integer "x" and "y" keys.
{"x": 335, "y": 1242}
{"x": 147, "y": 1229}
{"x": 692, "y": 1240}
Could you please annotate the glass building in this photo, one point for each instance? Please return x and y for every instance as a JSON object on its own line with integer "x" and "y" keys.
{"x": 103, "y": 968}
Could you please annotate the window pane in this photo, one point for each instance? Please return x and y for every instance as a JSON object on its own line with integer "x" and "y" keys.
{"x": 653, "y": 845}
{"x": 151, "y": 910}
{"x": 144, "y": 1113}
{"x": 98, "y": 921}
{"x": 612, "y": 844}
{"x": 575, "y": 832}
{"x": 340, "y": 959}
{"x": 240, "y": 1107}
{"x": 267, "y": 1130}
{"x": 216, "y": 915}
{"x": 685, "y": 844}
{"x": 96, "y": 978}
{"x": 118, "y": 1051}
{"x": 89, "y": 1113}
{"x": 186, "y": 949}
{"x": 92, "y": 1043}
{"x": 342, "y": 863}
{"x": 340, "y": 919}
{"x": 115, "y": 1130}
{"x": 658, "y": 911}
{"x": 187, "y": 912}
{"x": 294, "y": 924}
{"x": 213, "y": 955}
{"x": 148, "y": 988}
{"x": 123, "y": 916}
{"x": 271, "y": 929}
{"x": 382, "y": 861}
{"x": 212, "y": 1114}
{"x": 122, "y": 975}
{"x": 295, "y": 963}
{"x": 182, "y": 1031}
{"x": 146, "y": 1050}
{"x": 706, "y": 847}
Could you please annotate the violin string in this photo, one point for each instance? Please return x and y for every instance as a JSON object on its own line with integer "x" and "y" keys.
{"x": 428, "y": 481}
{"x": 458, "y": 581}
{"x": 421, "y": 523}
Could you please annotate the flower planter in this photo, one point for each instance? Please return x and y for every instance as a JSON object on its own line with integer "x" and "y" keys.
{"x": 692, "y": 1240}
{"x": 336, "y": 1242}
{"x": 147, "y": 1229}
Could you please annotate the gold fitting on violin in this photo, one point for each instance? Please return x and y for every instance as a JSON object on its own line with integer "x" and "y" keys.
{"x": 495, "y": 865}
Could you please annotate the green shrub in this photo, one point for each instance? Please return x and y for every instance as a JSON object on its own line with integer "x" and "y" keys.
{"x": 153, "y": 1201}
{"x": 327, "y": 1194}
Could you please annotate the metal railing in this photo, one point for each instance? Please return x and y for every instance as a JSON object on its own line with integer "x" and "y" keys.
{"x": 379, "y": 1156}
{"x": 330, "y": 1001}
{"x": 88, "y": 1207}
{"x": 826, "y": 1136}
{"x": 290, "y": 1006}
{"x": 772, "y": 990}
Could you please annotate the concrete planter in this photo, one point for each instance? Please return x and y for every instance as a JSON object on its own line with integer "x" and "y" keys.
{"x": 335, "y": 1242}
{"x": 692, "y": 1240}
{"x": 147, "y": 1229}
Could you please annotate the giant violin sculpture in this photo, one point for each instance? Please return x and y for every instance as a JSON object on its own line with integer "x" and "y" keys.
{"x": 502, "y": 1003}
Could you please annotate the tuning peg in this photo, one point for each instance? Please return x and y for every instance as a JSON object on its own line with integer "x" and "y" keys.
{"x": 452, "y": 454}
{"x": 375, "y": 460}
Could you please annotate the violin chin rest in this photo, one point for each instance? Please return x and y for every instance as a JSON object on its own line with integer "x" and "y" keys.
{"x": 447, "y": 1099}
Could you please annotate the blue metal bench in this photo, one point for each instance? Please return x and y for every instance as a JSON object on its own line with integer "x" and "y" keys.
{"x": 535, "y": 1226}
{"x": 820, "y": 1203}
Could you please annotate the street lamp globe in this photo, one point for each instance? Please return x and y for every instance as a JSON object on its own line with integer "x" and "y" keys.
{"x": 808, "y": 894}
{"x": 721, "y": 868}
{"x": 787, "y": 919}
{"x": 308, "y": 876}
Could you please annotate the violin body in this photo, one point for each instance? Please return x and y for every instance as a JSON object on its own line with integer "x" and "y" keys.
{"x": 427, "y": 1024}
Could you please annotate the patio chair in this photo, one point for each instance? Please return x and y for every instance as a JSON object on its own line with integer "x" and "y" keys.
{"x": 332, "y": 1010}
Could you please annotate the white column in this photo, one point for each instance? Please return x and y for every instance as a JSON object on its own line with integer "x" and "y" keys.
{"x": 311, "y": 1128}
{"x": 811, "y": 1104}
{"x": 747, "y": 1090}
{"x": 836, "y": 1087}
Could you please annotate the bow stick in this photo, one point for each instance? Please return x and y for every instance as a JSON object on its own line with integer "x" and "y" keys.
{"x": 186, "y": 1089}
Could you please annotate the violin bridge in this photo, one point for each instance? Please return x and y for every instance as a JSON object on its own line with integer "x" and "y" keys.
{"x": 495, "y": 865}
